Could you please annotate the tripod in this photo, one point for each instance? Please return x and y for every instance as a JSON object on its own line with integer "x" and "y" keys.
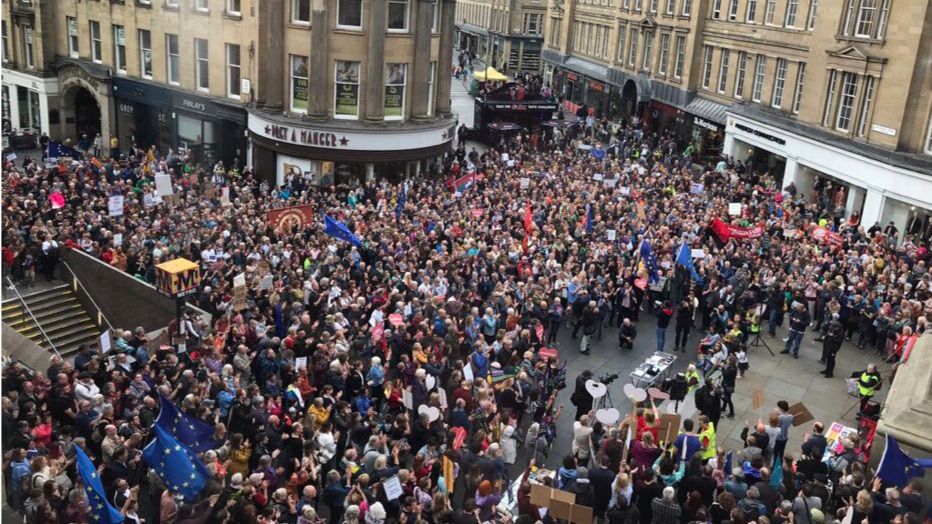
{"x": 757, "y": 341}
{"x": 605, "y": 401}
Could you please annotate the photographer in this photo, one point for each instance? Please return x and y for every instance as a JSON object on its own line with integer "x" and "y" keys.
{"x": 626, "y": 334}
{"x": 581, "y": 397}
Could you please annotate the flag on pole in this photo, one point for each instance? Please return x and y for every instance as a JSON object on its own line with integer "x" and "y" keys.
{"x": 685, "y": 259}
{"x": 177, "y": 466}
{"x": 101, "y": 510}
{"x": 338, "y": 230}
{"x": 650, "y": 261}
{"x": 588, "y": 218}
{"x": 190, "y": 431}
{"x": 896, "y": 467}
{"x": 402, "y": 200}
{"x": 58, "y": 150}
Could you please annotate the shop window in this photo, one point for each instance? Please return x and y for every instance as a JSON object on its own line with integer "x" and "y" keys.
{"x": 173, "y": 63}
{"x": 189, "y": 129}
{"x": 233, "y": 71}
{"x": 398, "y": 15}
{"x": 299, "y": 84}
{"x": 145, "y": 53}
{"x": 349, "y": 14}
{"x": 96, "y": 42}
{"x": 346, "y": 90}
{"x": 73, "y": 50}
{"x": 395, "y": 80}
{"x": 301, "y": 12}
{"x": 119, "y": 48}
{"x": 201, "y": 69}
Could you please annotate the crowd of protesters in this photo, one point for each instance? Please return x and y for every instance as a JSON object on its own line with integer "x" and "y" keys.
{"x": 421, "y": 348}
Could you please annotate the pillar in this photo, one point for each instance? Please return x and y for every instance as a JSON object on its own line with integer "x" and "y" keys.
{"x": 270, "y": 90}
{"x": 728, "y": 148}
{"x": 855, "y": 200}
{"x": 375, "y": 64}
{"x": 319, "y": 85}
{"x": 445, "y": 59}
{"x": 370, "y": 172}
{"x": 873, "y": 208}
{"x": 790, "y": 172}
{"x": 421, "y": 63}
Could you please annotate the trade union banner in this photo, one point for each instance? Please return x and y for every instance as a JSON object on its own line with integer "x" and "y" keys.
{"x": 725, "y": 232}
{"x": 287, "y": 218}
{"x": 828, "y": 237}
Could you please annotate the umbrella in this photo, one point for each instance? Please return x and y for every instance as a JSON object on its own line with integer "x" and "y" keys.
{"x": 490, "y": 75}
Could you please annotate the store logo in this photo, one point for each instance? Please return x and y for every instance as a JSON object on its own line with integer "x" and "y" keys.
{"x": 197, "y": 106}
{"x": 305, "y": 137}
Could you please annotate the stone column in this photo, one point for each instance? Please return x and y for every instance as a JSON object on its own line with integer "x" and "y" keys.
{"x": 790, "y": 172}
{"x": 445, "y": 59}
{"x": 421, "y": 67}
{"x": 319, "y": 82}
{"x": 874, "y": 204}
{"x": 375, "y": 63}
{"x": 271, "y": 51}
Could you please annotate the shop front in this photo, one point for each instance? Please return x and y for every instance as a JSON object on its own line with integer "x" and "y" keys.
{"x": 348, "y": 153}
{"x": 210, "y": 129}
{"x": 706, "y": 120}
{"x": 30, "y": 106}
{"x": 143, "y": 115}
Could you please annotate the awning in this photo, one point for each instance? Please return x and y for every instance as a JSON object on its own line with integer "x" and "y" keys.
{"x": 707, "y": 109}
{"x": 587, "y": 68}
{"x": 490, "y": 75}
{"x": 472, "y": 29}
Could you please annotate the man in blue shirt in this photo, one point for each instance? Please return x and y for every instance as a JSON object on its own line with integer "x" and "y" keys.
{"x": 687, "y": 443}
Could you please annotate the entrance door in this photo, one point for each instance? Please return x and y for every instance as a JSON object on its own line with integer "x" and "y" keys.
{"x": 86, "y": 114}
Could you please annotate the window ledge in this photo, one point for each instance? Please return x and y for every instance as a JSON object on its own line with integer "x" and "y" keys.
{"x": 232, "y": 16}
{"x": 861, "y": 39}
{"x": 202, "y": 12}
{"x": 144, "y": 5}
{"x": 169, "y": 7}
{"x": 299, "y": 24}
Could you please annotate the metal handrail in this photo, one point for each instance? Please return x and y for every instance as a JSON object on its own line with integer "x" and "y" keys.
{"x": 100, "y": 312}
{"x": 33, "y": 317}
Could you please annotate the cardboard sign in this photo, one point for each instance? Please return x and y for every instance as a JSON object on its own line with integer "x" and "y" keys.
{"x": 117, "y": 239}
{"x": 392, "y": 487}
{"x": 624, "y": 190}
{"x": 696, "y": 188}
{"x": 757, "y": 399}
{"x": 801, "y": 414}
{"x": 104, "y": 341}
{"x": 540, "y": 495}
{"x": 598, "y": 176}
{"x": 734, "y": 208}
{"x": 115, "y": 205}
{"x": 669, "y": 427}
{"x": 396, "y": 319}
{"x": 239, "y": 292}
{"x": 580, "y": 514}
{"x": 163, "y": 185}
{"x": 525, "y": 182}
{"x": 300, "y": 363}
{"x": 697, "y": 253}
{"x": 560, "y": 509}
{"x": 610, "y": 235}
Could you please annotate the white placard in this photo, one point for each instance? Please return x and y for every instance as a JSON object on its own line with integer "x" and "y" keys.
{"x": 610, "y": 182}
{"x": 525, "y": 182}
{"x": 696, "y": 188}
{"x": 505, "y": 157}
{"x": 115, "y": 205}
{"x": 510, "y": 163}
{"x": 610, "y": 234}
{"x": 266, "y": 282}
{"x": 442, "y": 394}
{"x": 300, "y": 363}
{"x": 225, "y": 195}
{"x": 392, "y": 488}
{"x": 598, "y": 176}
{"x": 163, "y": 184}
{"x": 117, "y": 239}
{"x": 697, "y": 253}
{"x": 734, "y": 208}
{"x": 104, "y": 341}
{"x": 407, "y": 400}
{"x": 467, "y": 373}
{"x": 624, "y": 190}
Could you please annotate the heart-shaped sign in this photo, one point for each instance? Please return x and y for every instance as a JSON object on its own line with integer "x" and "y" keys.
{"x": 431, "y": 382}
{"x": 396, "y": 319}
{"x": 607, "y": 416}
{"x": 596, "y": 389}
{"x": 636, "y": 394}
{"x": 431, "y": 412}
{"x": 658, "y": 394}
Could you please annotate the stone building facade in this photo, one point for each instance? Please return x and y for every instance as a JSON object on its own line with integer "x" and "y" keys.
{"x": 505, "y": 34}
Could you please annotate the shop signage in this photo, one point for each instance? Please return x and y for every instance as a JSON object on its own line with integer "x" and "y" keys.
{"x": 701, "y": 122}
{"x": 883, "y": 130}
{"x": 523, "y": 107}
{"x": 303, "y": 136}
{"x": 761, "y": 134}
{"x": 596, "y": 86}
{"x": 572, "y": 77}
{"x": 200, "y": 107}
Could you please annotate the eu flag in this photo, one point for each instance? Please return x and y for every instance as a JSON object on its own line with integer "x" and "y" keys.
{"x": 685, "y": 259}
{"x": 101, "y": 510}
{"x": 190, "y": 431}
{"x": 588, "y": 218}
{"x": 340, "y": 231}
{"x": 176, "y": 465}
{"x": 896, "y": 467}
{"x": 58, "y": 150}
{"x": 650, "y": 261}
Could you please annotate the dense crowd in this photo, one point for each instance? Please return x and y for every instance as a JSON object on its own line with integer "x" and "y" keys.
{"x": 421, "y": 348}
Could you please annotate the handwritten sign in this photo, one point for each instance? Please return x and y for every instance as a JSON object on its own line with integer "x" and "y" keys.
{"x": 392, "y": 487}
{"x": 396, "y": 319}
{"x": 115, "y": 205}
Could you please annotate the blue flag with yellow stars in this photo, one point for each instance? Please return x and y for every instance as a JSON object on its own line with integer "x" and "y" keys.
{"x": 190, "y": 431}
{"x": 101, "y": 510}
{"x": 176, "y": 465}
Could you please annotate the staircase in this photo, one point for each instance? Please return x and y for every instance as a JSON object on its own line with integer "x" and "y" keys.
{"x": 57, "y": 310}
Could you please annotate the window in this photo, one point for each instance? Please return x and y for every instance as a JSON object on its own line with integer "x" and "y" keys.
{"x": 867, "y": 11}
{"x": 882, "y": 22}
{"x": 866, "y": 18}
{"x": 800, "y": 81}
{"x": 96, "y": 43}
{"x": 671, "y": 7}
{"x": 395, "y": 81}
{"x": 779, "y": 80}
{"x": 664, "y": 53}
{"x": 201, "y": 5}
{"x": 349, "y": 14}
{"x": 707, "y": 67}
{"x": 757, "y": 91}
{"x": 716, "y": 9}
{"x": 739, "y": 75}
{"x": 687, "y": 7}
{"x": 849, "y": 89}
{"x": 346, "y": 96}
{"x": 145, "y": 53}
{"x": 813, "y": 12}
{"x": 769, "y": 10}
{"x": 233, "y": 8}
{"x": 171, "y": 3}
{"x": 201, "y": 71}
{"x": 72, "y": 37}
{"x": 119, "y": 48}
{"x": 637, "y": 5}
{"x": 680, "y": 57}
{"x": 430, "y": 88}
{"x": 733, "y": 10}
{"x": 6, "y": 42}
{"x": 622, "y": 31}
{"x": 233, "y": 71}
{"x": 555, "y": 31}
{"x": 653, "y": 6}
{"x": 751, "y": 13}
{"x": 435, "y": 20}
{"x": 792, "y": 6}
{"x": 174, "y": 59}
{"x": 646, "y": 60}
{"x": 866, "y": 106}
{"x": 723, "y": 71}
{"x": 829, "y": 98}
{"x": 605, "y": 47}
{"x": 27, "y": 47}
{"x": 532, "y": 23}
{"x": 633, "y": 50}
{"x": 299, "y": 84}
{"x": 301, "y": 12}
{"x": 397, "y": 15}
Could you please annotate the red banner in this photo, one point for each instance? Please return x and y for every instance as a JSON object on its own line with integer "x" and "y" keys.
{"x": 725, "y": 232}
{"x": 287, "y": 217}
{"x": 827, "y": 236}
